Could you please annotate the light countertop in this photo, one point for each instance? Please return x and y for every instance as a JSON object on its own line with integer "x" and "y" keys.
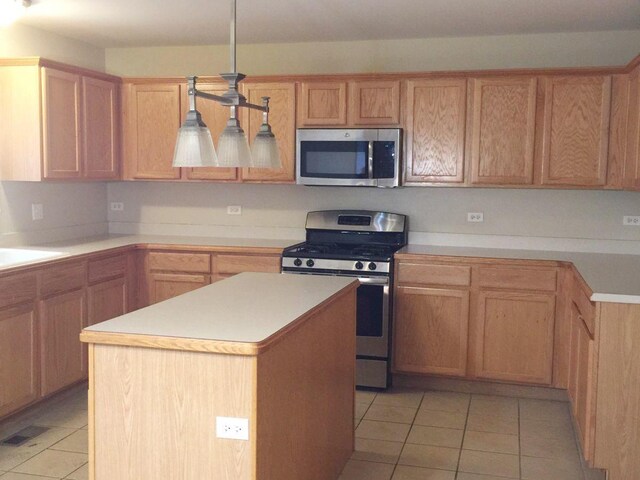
{"x": 246, "y": 308}
{"x": 611, "y": 277}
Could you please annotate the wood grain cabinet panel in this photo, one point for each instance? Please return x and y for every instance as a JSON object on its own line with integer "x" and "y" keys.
{"x": 435, "y": 130}
{"x": 19, "y": 358}
{"x": 502, "y": 130}
{"x": 282, "y": 118}
{"x": 431, "y": 331}
{"x": 225, "y": 266}
{"x": 62, "y": 318}
{"x": 152, "y": 119}
{"x": 180, "y": 262}
{"x": 107, "y": 300}
{"x": 168, "y": 285}
{"x": 576, "y": 130}
{"x": 515, "y": 333}
{"x": 215, "y": 116}
{"x": 100, "y": 120}
{"x": 632, "y": 166}
{"x": 323, "y": 104}
{"x": 62, "y": 147}
{"x": 374, "y": 103}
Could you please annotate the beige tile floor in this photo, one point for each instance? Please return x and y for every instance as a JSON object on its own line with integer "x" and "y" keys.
{"x": 400, "y": 435}
{"x": 411, "y": 435}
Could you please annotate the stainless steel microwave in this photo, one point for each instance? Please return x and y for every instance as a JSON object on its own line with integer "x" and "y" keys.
{"x": 367, "y": 157}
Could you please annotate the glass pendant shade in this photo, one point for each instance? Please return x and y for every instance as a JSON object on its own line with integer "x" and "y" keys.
{"x": 233, "y": 148}
{"x": 265, "y": 153}
{"x": 194, "y": 147}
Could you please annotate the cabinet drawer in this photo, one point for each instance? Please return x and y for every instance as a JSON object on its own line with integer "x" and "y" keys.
{"x": 106, "y": 268}
{"x": 16, "y": 289}
{"x": 517, "y": 278}
{"x": 586, "y": 309}
{"x": 63, "y": 278}
{"x": 232, "y": 264}
{"x": 180, "y": 262}
{"x": 421, "y": 274}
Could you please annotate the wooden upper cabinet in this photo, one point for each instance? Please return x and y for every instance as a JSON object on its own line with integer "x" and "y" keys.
{"x": 323, "y": 104}
{"x": 215, "y": 116}
{"x": 152, "y": 119}
{"x": 374, "y": 103}
{"x": 576, "y": 130}
{"x": 632, "y": 167}
{"x": 435, "y": 130}
{"x": 282, "y": 118}
{"x": 62, "y": 147}
{"x": 100, "y": 120}
{"x": 502, "y": 122}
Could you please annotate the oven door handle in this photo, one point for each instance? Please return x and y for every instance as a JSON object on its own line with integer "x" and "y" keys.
{"x": 374, "y": 280}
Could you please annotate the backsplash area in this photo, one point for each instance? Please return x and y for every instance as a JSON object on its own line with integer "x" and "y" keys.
{"x": 513, "y": 218}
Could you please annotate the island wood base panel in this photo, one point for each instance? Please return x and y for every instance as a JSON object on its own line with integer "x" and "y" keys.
{"x": 152, "y": 412}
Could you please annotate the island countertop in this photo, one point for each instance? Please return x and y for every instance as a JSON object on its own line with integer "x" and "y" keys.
{"x": 240, "y": 315}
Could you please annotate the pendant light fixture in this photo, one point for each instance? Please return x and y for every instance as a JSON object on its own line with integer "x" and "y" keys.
{"x": 194, "y": 147}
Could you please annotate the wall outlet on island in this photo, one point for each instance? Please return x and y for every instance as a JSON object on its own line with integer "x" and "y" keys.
{"x": 234, "y": 428}
{"x": 630, "y": 220}
{"x": 234, "y": 210}
{"x": 37, "y": 211}
{"x": 475, "y": 217}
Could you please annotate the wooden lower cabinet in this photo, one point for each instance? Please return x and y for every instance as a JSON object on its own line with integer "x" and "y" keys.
{"x": 163, "y": 286}
{"x": 107, "y": 300}
{"x": 515, "y": 333}
{"x": 19, "y": 358}
{"x": 431, "y": 330}
{"x": 228, "y": 265}
{"x": 62, "y": 318}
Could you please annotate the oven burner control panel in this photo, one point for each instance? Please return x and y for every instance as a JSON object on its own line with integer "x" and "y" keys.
{"x": 334, "y": 265}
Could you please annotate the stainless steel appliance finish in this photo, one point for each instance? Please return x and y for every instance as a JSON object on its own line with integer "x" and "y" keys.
{"x": 359, "y": 244}
{"x": 365, "y": 157}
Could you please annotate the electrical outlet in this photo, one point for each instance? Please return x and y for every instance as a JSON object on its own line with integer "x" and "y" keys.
{"x": 234, "y": 210}
{"x": 117, "y": 206}
{"x": 37, "y": 211}
{"x": 630, "y": 220}
{"x": 234, "y": 428}
{"x": 475, "y": 217}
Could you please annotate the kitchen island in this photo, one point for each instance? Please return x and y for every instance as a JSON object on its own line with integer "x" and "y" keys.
{"x": 278, "y": 350}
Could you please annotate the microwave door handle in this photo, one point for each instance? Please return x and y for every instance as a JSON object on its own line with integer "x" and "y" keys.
{"x": 370, "y": 160}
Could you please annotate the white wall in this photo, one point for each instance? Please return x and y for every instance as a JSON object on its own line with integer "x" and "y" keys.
{"x": 70, "y": 209}
{"x": 507, "y": 51}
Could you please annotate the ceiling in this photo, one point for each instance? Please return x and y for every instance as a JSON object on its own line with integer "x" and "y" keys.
{"x": 129, "y": 23}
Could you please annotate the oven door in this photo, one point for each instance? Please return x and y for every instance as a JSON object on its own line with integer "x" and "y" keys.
{"x": 372, "y": 324}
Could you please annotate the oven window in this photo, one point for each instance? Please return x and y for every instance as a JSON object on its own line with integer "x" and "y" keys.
{"x": 370, "y": 310}
{"x": 326, "y": 159}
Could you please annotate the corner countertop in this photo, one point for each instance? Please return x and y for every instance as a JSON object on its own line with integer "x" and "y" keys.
{"x": 611, "y": 277}
{"x": 239, "y": 315}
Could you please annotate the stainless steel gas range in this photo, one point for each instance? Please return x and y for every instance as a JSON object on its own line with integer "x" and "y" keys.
{"x": 360, "y": 244}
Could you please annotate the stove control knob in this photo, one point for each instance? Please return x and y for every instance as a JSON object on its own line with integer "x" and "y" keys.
{"x": 359, "y": 266}
{"x": 372, "y": 266}
{"x": 297, "y": 262}
{"x": 310, "y": 263}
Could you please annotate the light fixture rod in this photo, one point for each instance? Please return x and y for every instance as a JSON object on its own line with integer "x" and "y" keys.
{"x": 233, "y": 36}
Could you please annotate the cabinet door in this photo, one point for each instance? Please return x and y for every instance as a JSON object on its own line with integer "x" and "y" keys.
{"x": 503, "y": 115}
{"x": 323, "y": 104}
{"x": 107, "y": 300}
{"x": 215, "y": 116}
{"x": 374, "y": 103}
{"x": 632, "y": 168}
{"x": 62, "y": 318}
{"x": 576, "y": 130}
{"x": 100, "y": 128}
{"x": 62, "y": 147}
{"x": 515, "y": 336}
{"x": 431, "y": 330}
{"x": 282, "y": 117}
{"x": 435, "y": 126}
{"x": 19, "y": 366}
{"x": 168, "y": 285}
{"x": 152, "y": 119}
{"x": 225, "y": 266}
